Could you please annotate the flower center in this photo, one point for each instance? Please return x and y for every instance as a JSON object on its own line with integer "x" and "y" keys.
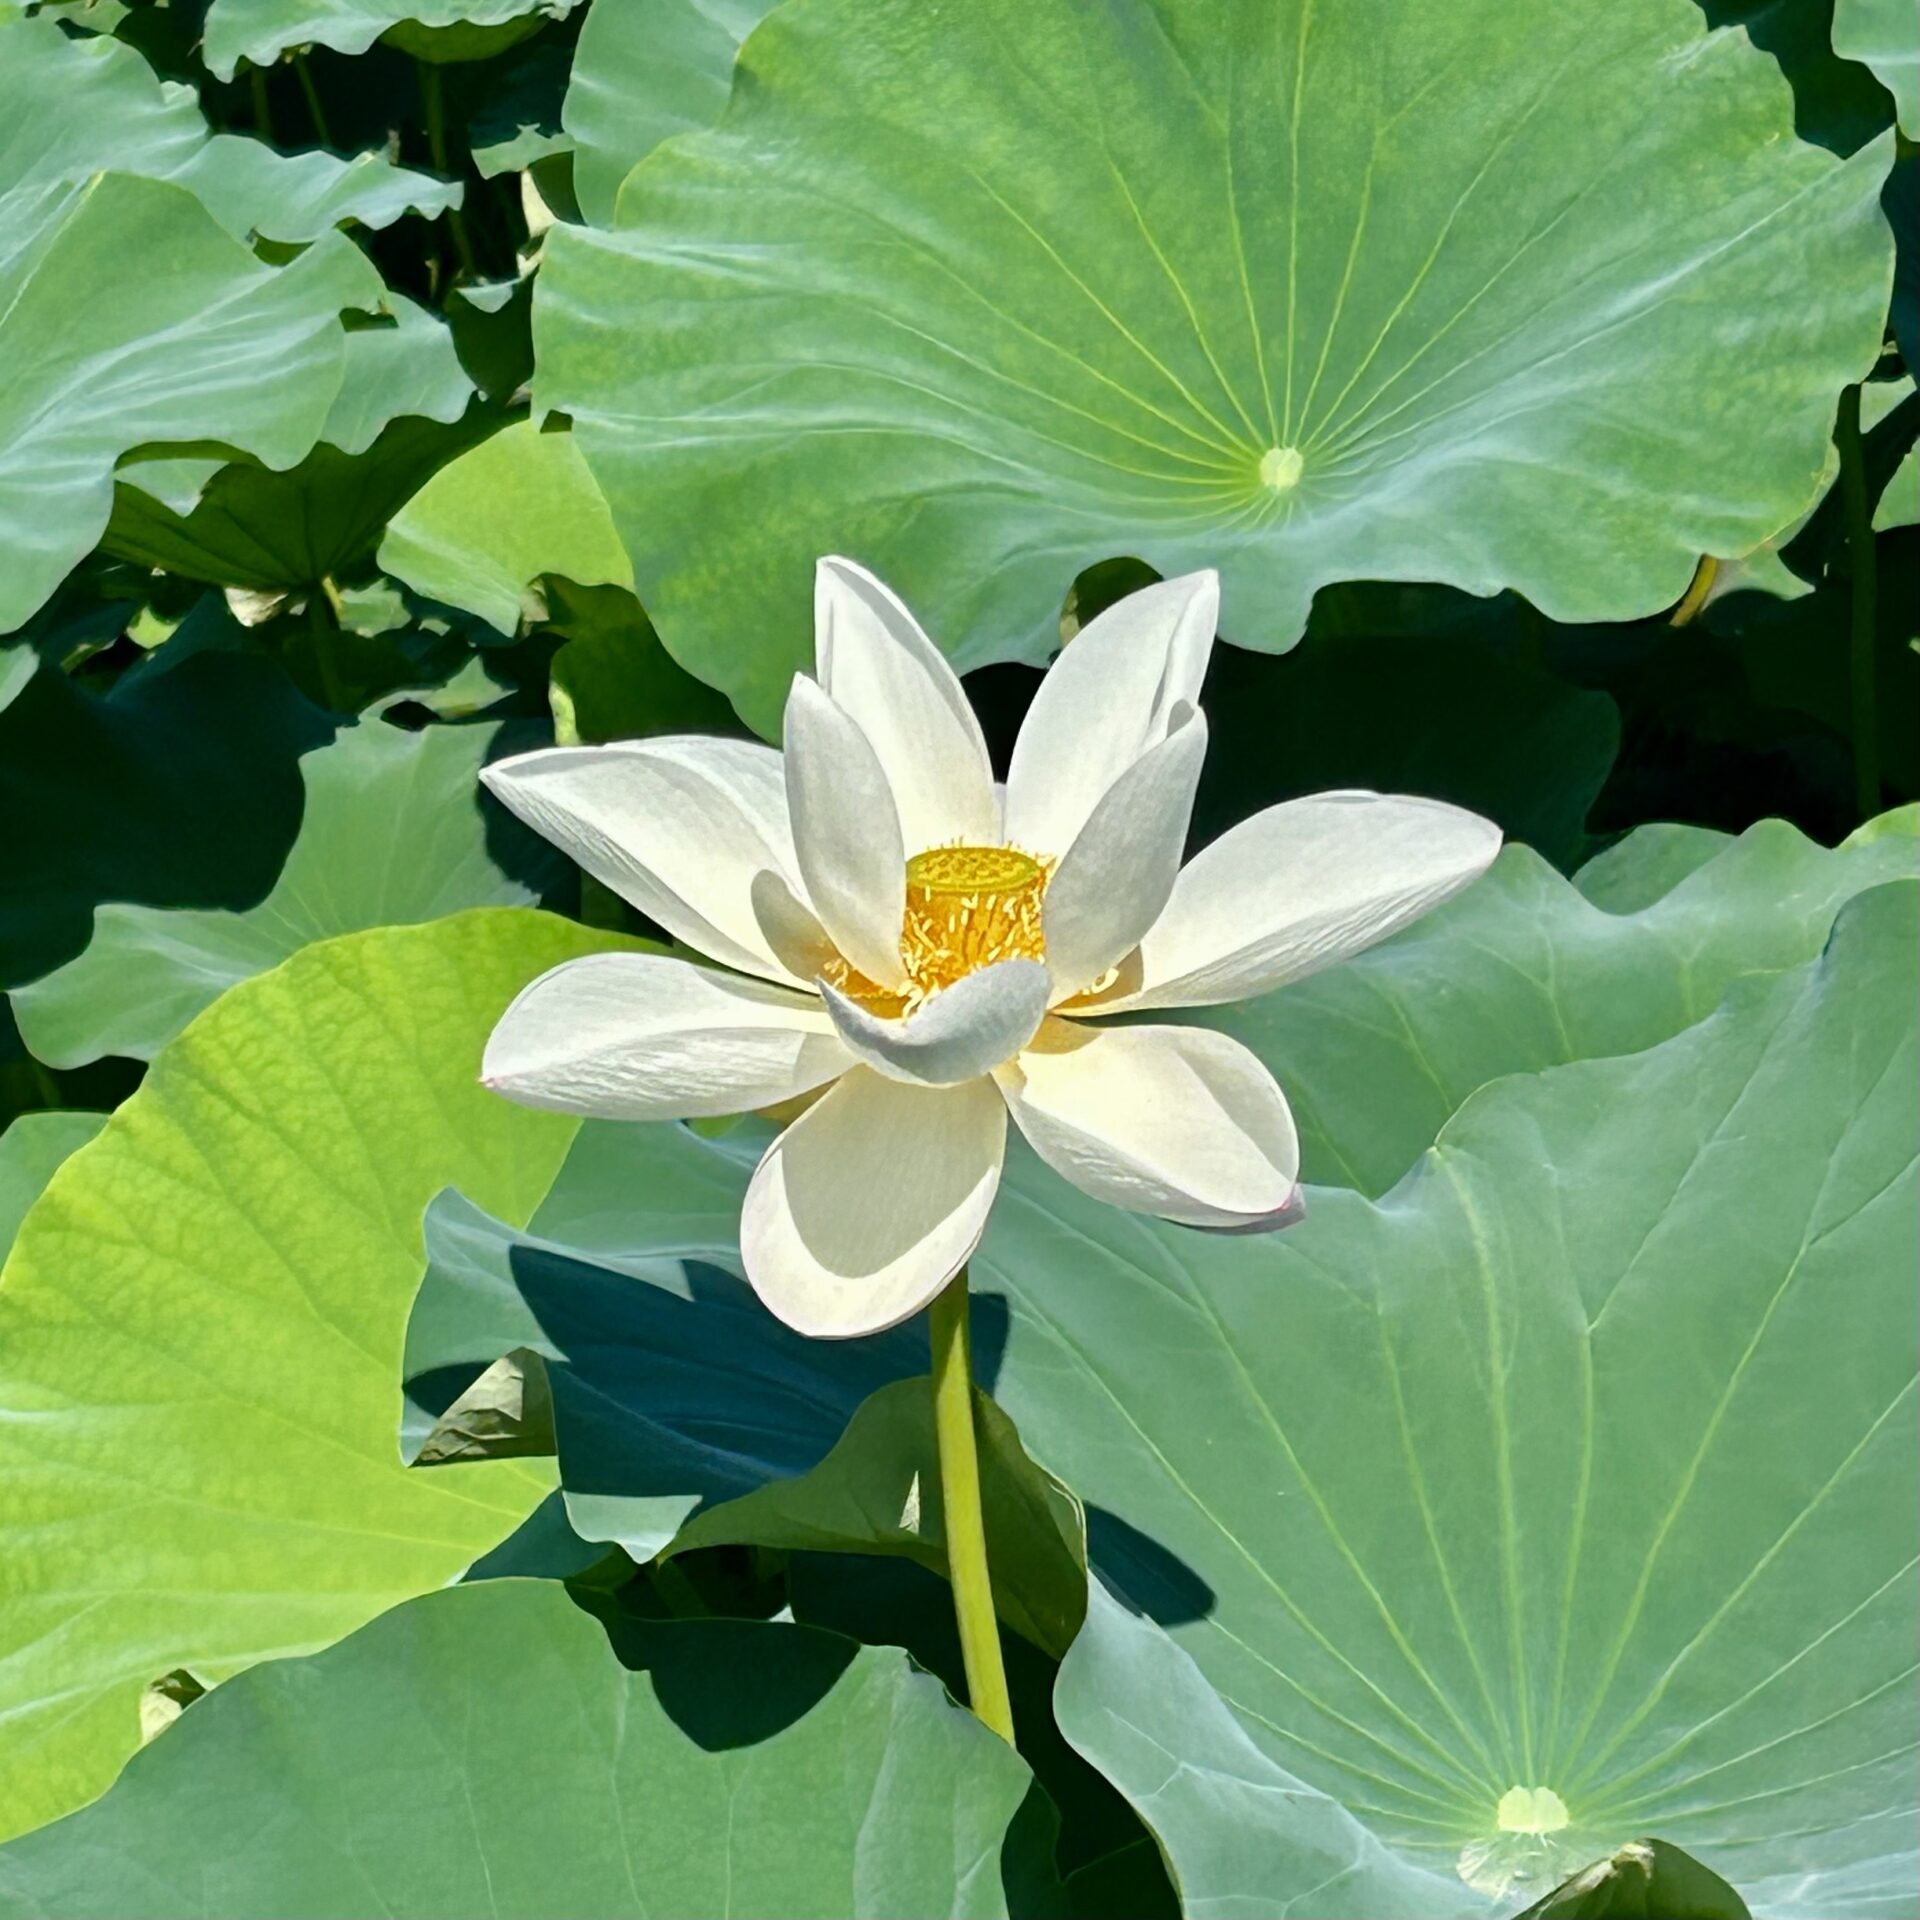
{"x": 968, "y": 907}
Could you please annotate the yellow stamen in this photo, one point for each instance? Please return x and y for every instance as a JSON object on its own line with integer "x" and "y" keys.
{"x": 968, "y": 907}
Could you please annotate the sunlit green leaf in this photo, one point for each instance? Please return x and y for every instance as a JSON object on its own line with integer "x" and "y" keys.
{"x": 487, "y": 1751}
{"x": 1210, "y": 285}
{"x": 483, "y": 530}
{"x": 516, "y": 530}
{"x": 30, "y": 1149}
{"x": 200, "y": 1335}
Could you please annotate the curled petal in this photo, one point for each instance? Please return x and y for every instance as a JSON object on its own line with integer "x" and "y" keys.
{"x": 975, "y": 1025}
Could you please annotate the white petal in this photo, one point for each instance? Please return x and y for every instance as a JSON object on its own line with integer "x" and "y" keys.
{"x": 1115, "y": 691}
{"x": 679, "y": 826}
{"x": 871, "y": 1202}
{"x": 642, "y": 1036}
{"x": 877, "y": 666}
{"x": 1298, "y": 887}
{"x": 975, "y": 1025}
{"x": 1117, "y": 876}
{"x": 846, "y": 833}
{"x": 1176, "y": 1121}
{"x": 790, "y": 927}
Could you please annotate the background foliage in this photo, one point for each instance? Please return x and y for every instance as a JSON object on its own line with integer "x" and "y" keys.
{"x": 394, "y": 384}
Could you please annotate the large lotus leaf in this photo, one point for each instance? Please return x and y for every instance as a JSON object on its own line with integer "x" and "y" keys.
{"x": 1583, "y": 1464}
{"x": 1580, "y": 1463}
{"x": 1882, "y": 34}
{"x": 75, "y": 106}
{"x": 642, "y": 73}
{"x": 1213, "y": 1802}
{"x": 1432, "y": 291}
{"x": 1524, "y": 972}
{"x": 486, "y": 1751}
{"x": 1242, "y": 1836}
{"x": 128, "y": 317}
{"x": 402, "y": 409}
{"x": 201, "y": 1325}
{"x": 411, "y": 799}
{"x": 179, "y": 789}
{"x": 1836, "y": 103}
{"x": 260, "y": 31}
{"x": 30, "y": 1149}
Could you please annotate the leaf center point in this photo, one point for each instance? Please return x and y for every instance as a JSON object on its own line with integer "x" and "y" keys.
{"x": 1280, "y": 468}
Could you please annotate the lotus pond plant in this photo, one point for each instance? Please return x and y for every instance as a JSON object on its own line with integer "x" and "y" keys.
{"x": 913, "y": 952}
{"x": 1187, "y": 1189}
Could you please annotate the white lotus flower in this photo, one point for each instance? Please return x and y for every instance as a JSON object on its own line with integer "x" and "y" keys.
{"x": 883, "y": 918}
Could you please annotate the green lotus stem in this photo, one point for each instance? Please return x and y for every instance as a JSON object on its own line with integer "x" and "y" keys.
{"x": 45, "y": 1084}
{"x": 1861, "y": 561}
{"x": 960, "y": 1499}
{"x": 1698, "y": 588}
{"x": 323, "y": 630}
{"x": 262, "y": 110}
{"x": 433, "y": 100}
{"x": 315, "y": 112}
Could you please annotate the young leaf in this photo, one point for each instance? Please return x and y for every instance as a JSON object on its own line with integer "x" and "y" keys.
{"x": 1646, "y": 1880}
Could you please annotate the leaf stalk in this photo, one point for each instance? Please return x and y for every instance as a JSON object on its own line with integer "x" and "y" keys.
{"x": 433, "y": 101}
{"x": 960, "y": 1500}
{"x": 1864, "y": 586}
